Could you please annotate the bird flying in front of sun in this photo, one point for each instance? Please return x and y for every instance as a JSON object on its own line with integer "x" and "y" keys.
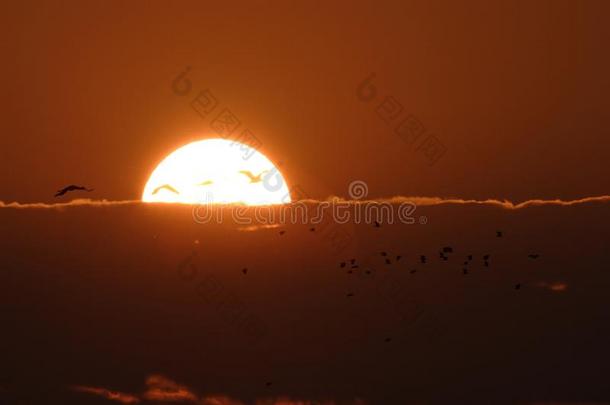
{"x": 216, "y": 171}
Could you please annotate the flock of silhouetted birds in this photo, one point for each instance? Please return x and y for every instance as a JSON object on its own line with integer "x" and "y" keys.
{"x": 443, "y": 253}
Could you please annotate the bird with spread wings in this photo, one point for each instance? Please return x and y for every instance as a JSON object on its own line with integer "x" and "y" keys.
{"x": 165, "y": 187}
{"x": 254, "y": 179}
{"x": 71, "y": 187}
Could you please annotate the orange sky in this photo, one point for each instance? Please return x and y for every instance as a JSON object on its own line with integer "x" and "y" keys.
{"x": 515, "y": 91}
{"x": 476, "y": 300}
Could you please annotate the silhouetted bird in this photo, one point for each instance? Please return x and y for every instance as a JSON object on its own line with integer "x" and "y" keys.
{"x": 244, "y": 270}
{"x": 368, "y": 272}
{"x": 534, "y": 256}
{"x": 486, "y": 257}
{"x": 499, "y": 234}
{"x": 165, "y": 187}
{"x": 312, "y": 229}
{"x": 413, "y": 271}
{"x": 398, "y": 258}
{"x": 387, "y": 261}
{"x": 469, "y": 257}
{"x": 268, "y": 383}
{"x": 447, "y": 249}
{"x": 377, "y": 224}
{"x": 465, "y": 263}
{"x": 352, "y": 261}
{"x": 384, "y": 253}
{"x": 342, "y": 264}
{"x": 517, "y": 286}
{"x": 465, "y": 271}
{"x": 71, "y": 187}
{"x": 350, "y": 295}
{"x": 354, "y": 266}
{"x": 282, "y": 232}
{"x": 388, "y": 339}
{"x": 349, "y": 272}
{"x": 422, "y": 259}
{"x": 486, "y": 264}
{"x": 253, "y": 179}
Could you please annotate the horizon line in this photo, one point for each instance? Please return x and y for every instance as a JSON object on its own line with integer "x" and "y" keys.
{"x": 417, "y": 200}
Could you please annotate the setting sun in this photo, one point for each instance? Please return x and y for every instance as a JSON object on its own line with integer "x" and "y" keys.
{"x": 216, "y": 171}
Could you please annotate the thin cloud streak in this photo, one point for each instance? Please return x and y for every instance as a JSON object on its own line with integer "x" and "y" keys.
{"x": 253, "y": 228}
{"x": 429, "y": 201}
{"x": 219, "y": 400}
{"x": 74, "y": 203}
{"x": 121, "y": 397}
{"x": 164, "y": 390}
{"x": 417, "y": 200}
{"x": 556, "y": 286}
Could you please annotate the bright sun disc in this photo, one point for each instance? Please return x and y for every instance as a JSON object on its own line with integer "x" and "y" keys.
{"x": 216, "y": 171}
